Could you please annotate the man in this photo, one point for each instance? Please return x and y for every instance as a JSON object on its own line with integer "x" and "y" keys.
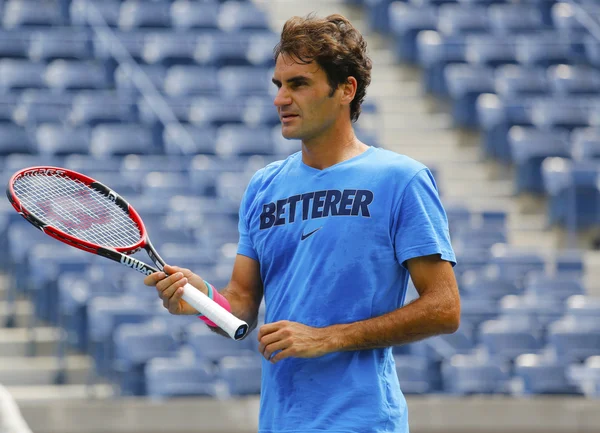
{"x": 329, "y": 237}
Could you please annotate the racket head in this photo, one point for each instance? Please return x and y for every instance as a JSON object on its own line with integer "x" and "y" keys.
{"x": 76, "y": 209}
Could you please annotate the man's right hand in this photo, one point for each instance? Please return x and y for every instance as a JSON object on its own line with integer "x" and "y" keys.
{"x": 170, "y": 288}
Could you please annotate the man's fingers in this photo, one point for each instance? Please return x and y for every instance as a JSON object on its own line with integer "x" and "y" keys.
{"x": 154, "y": 278}
{"x": 170, "y": 291}
{"x": 285, "y": 353}
{"x": 269, "y": 328}
{"x": 270, "y": 349}
{"x": 268, "y": 339}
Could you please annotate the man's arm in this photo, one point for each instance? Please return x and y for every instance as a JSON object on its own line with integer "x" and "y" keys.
{"x": 436, "y": 311}
{"x": 244, "y": 291}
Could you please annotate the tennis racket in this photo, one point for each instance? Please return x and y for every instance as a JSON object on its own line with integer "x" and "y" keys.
{"x": 85, "y": 214}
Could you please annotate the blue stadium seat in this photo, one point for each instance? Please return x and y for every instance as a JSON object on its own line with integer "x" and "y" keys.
{"x": 235, "y": 16}
{"x": 506, "y": 338}
{"x": 540, "y": 374}
{"x": 8, "y": 104}
{"x": 473, "y": 374}
{"x": 242, "y": 374}
{"x": 105, "y": 315}
{"x": 516, "y": 80}
{"x": 377, "y": 14}
{"x": 99, "y": 107}
{"x": 231, "y": 186}
{"x": 124, "y": 79}
{"x": 260, "y": 48}
{"x": 572, "y": 80}
{"x": 203, "y": 139}
{"x": 242, "y": 140}
{"x": 434, "y": 53}
{"x": 165, "y": 184}
{"x": 574, "y": 340}
{"x": 586, "y": 376}
{"x": 584, "y": 308}
{"x": 543, "y": 49}
{"x": 573, "y": 195}
{"x": 212, "y": 347}
{"x": 14, "y": 43}
{"x": 260, "y": 111}
{"x": 414, "y": 374}
{"x": 203, "y": 172}
{"x": 133, "y": 41}
{"x": 529, "y": 147}
{"x": 194, "y": 15}
{"x": 139, "y": 14}
{"x": 54, "y": 44}
{"x": 16, "y": 74}
{"x": 558, "y": 286}
{"x": 585, "y": 143}
{"x": 191, "y": 80}
{"x": 470, "y": 259}
{"x": 570, "y": 261}
{"x": 490, "y": 50}
{"x": 282, "y": 146}
{"x": 478, "y": 236}
{"x": 455, "y": 19}
{"x": 474, "y": 311}
{"x": 55, "y": 139}
{"x": 515, "y": 263}
{"x": 442, "y": 347}
{"x": 108, "y": 10}
{"x": 216, "y": 111}
{"x": 592, "y": 50}
{"x": 169, "y": 48}
{"x": 564, "y": 19}
{"x": 19, "y": 13}
{"x": 121, "y": 139}
{"x": 486, "y": 283}
{"x": 539, "y": 311}
{"x": 406, "y": 22}
{"x": 465, "y": 83}
{"x": 180, "y": 106}
{"x": 64, "y": 75}
{"x": 222, "y": 49}
{"x": 168, "y": 377}
{"x": 135, "y": 345}
{"x": 15, "y": 139}
{"x": 36, "y": 106}
{"x": 241, "y": 81}
{"x": 510, "y": 19}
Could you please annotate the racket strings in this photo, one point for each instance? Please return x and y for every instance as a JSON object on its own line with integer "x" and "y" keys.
{"x": 76, "y": 209}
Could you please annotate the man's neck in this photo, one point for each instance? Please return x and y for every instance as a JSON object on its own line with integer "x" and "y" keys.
{"x": 331, "y": 149}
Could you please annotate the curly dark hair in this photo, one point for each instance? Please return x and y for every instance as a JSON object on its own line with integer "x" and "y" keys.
{"x": 335, "y": 45}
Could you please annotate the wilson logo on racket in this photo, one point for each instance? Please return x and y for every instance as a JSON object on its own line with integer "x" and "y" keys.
{"x": 80, "y": 209}
{"x": 135, "y": 264}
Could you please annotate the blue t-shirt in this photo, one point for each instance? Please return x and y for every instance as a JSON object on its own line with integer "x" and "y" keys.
{"x": 332, "y": 246}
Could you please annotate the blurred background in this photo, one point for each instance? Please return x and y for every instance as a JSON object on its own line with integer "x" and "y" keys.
{"x": 170, "y": 104}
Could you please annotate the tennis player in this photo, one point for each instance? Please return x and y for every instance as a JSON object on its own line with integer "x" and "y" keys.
{"x": 329, "y": 237}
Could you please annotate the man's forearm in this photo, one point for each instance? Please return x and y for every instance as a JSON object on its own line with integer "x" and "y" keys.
{"x": 241, "y": 307}
{"x": 425, "y": 317}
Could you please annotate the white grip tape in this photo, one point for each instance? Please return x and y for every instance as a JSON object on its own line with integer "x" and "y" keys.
{"x": 219, "y": 315}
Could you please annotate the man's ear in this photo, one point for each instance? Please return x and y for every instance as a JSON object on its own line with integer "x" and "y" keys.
{"x": 348, "y": 90}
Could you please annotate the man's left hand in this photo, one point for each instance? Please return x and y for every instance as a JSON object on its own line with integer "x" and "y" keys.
{"x": 292, "y": 339}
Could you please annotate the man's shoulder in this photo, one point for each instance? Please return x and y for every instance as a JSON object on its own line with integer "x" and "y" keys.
{"x": 397, "y": 163}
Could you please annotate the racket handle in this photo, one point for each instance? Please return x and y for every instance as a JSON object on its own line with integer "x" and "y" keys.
{"x": 233, "y": 326}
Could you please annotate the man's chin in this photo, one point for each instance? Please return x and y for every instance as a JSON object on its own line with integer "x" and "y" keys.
{"x": 289, "y": 134}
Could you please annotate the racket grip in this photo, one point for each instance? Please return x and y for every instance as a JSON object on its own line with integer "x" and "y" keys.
{"x": 234, "y": 327}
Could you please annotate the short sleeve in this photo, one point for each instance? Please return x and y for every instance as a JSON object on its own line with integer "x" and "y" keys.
{"x": 245, "y": 245}
{"x": 422, "y": 227}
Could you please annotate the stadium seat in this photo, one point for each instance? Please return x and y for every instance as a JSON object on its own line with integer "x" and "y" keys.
{"x": 470, "y": 259}
{"x": 455, "y": 19}
{"x": 584, "y": 308}
{"x": 55, "y": 44}
{"x": 537, "y": 310}
{"x": 216, "y": 111}
{"x": 242, "y": 81}
{"x": 242, "y": 374}
{"x": 435, "y": 52}
{"x": 490, "y": 50}
{"x": 510, "y": 19}
{"x": 474, "y": 311}
{"x": 574, "y": 340}
{"x": 529, "y": 147}
{"x": 14, "y": 43}
{"x": 465, "y": 83}
{"x": 135, "y": 345}
{"x": 592, "y": 50}
{"x": 586, "y": 376}
{"x": 185, "y": 377}
{"x": 260, "y": 111}
{"x": 543, "y": 49}
{"x": 236, "y": 16}
{"x": 169, "y": 48}
{"x": 84, "y": 164}
{"x": 37, "y": 106}
{"x": 194, "y": 15}
{"x": 516, "y": 80}
{"x": 585, "y": 144}
{"x": 473, "y": 374}
{"x": 564, "y": 19}
{"x": 478, "y": 236}
{"x": 507, "y": 337}
{"x": 414, "y": 374}
{"x": 222, "y": 49}
{"x": 406, "y": 22}
{"x": 133, "y": 41}
{"x": 15, "y": 139}
{"x": 121, "y": 139}
{"x": 64, "y": 75}
{"x": 93, "y": 108}
{"x": 108, "y": 10}
{"x": 139, "y": 14}
{"x": 184, "y": 80}
{"x": 20, "y": 13}
{"x": 377, "y": 14}
{"x": 8, "y": 104}
{"x": 124, "y": 77}
{"x": 557, "y": 286}
{"x": 572, "y": 80}
{"x": 53, "y": 139}
{"x": 442, "y": 347}
{"x": 16, "y": 74}
{"x": 540, "y": 374}
{"x": 212, "y": 347}
{"x": 176, "y": 139}
{"x": 244, "y": 141}
{"x": 260, "y": 48}
{"x": 487, "y": 283}
{"x": 165, "y": 184}
{"x": 203, "y": 172}
{"x": 573, "y": 195}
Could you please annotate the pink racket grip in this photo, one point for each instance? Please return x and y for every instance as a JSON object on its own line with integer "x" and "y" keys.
{"x": 223, "y": 302}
